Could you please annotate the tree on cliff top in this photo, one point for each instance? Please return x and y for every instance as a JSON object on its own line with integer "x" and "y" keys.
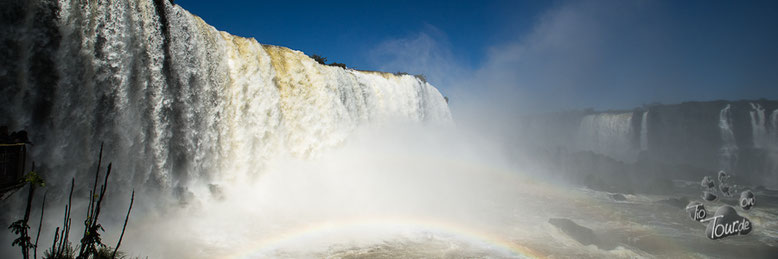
{"x": 320, "y": 59}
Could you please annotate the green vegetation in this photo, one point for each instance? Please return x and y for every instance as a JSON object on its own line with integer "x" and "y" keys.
{"x": 323, "y": 61}
{"x": 335, "y": 64}
{"x": 320, "y": 59}
{"x": 20, "y": 227}
{"x": 91, "y": 243}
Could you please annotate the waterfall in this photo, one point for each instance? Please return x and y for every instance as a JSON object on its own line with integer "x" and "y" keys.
{"x": 644, "y": 131}
{"x": 728, "y": 150}
{"x": 607, "y": 134}
{"x": 770, "y": 145}
{"x": 177, "y": 101}
{"x": 760, "y": 136}
{"x": 762, "y": 139}
{"x": 774, "y": 120}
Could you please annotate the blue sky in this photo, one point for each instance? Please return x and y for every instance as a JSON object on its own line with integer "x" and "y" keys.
{"x": 526, "y": 54}
{"x": 346, "y": 31}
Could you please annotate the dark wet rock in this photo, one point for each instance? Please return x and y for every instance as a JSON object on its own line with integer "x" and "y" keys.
{"x": 676, "y": 202}
{"x": 709, "y": 196}
{"x": 583, "y": 235}
{"x": 617, "y": 197}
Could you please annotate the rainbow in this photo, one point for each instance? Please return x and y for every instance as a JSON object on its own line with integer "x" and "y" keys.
{"x": 490, "y": 241}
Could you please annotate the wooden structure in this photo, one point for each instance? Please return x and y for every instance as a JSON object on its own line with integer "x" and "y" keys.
{"x": 12, "y": 162}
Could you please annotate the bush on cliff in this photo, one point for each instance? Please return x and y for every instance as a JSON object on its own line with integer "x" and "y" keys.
{"x": 320, "y": 59}
{"x": 335, "y": 64}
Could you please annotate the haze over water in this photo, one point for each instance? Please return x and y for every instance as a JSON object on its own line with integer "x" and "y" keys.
{"x": 242, "y": 150}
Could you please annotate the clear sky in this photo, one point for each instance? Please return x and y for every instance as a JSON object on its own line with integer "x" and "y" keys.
{"x": 569, "y": 54}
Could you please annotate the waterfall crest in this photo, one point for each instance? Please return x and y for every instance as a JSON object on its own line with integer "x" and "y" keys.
{"x": 176, "y": 100}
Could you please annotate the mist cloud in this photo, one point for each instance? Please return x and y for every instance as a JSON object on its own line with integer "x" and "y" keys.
{"x": 427, "y": 52}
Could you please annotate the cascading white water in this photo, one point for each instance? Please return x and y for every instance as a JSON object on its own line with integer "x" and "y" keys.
{"x": 188, "y": 114}
{"x": 177, "y": 101}
{"x": 644, "y": 131}
{"x": 769, "y": 142}
{"x": 728, "y": 150}
{"x": 760, "y": 137}
{"x": 763, "y": 139}
{"x": 608, "y": 134}
{"x": 774, "y": 120}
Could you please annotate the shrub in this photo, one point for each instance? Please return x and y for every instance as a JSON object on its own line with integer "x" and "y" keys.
{"x": 68, "y": 252}
{"x": 335, "y": 64}
{"x": 323, "y": 61}
{"x": 320, "y": 59}
{"x": 91, "y": 245}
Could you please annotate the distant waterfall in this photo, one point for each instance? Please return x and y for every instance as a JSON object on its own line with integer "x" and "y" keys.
{"x": 608, "y": 134}
{"x": 766, "y": 140}
{"x": 760, "y": 136}
{"x": 644, "y": 131}
{"x": 729, "y": 147}
{"x": 774, "y": 120}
